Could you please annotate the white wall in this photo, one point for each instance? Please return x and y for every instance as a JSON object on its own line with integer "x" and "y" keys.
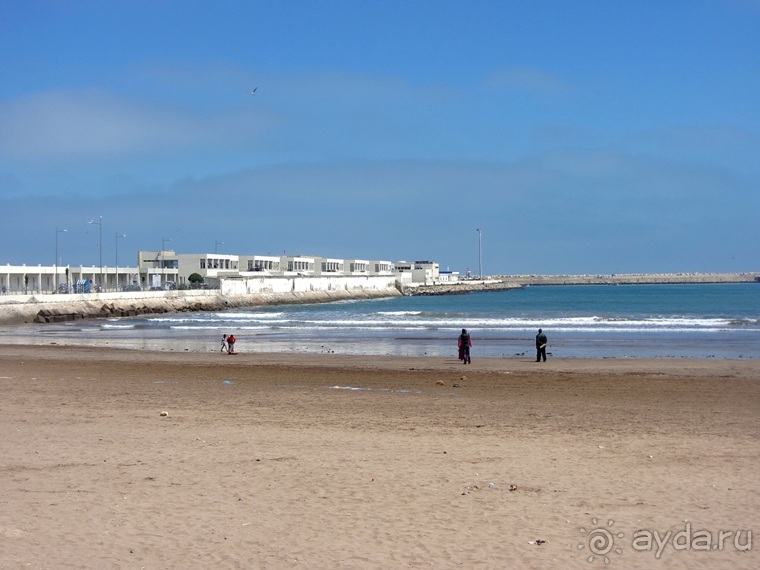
{"x": 253, "y": 285}
{"x": 104, "y": 297}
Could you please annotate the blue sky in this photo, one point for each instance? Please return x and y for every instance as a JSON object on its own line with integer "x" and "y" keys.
{"x": 581, "y": 136}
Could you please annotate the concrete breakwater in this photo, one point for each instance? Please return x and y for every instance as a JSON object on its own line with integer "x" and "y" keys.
{"x": 63, "y": 308}
{"x": 634, "y": 279}
{"x": 504, "y": 282}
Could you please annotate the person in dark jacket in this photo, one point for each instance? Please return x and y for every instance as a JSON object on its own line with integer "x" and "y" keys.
{"x": 464, "y": 342}
{"x": 540, "y": 346}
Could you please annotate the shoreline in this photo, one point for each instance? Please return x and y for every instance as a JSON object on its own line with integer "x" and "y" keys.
{"x": 746, "y": 368}
{"x": 116, "y": 458}
{"x": 405, "y": 350}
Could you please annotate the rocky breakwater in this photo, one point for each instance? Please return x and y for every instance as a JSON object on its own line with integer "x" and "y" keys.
{"x": 460, "y": 288}
{"x": 58, "y": 311}
{"x": 74, "y": 311}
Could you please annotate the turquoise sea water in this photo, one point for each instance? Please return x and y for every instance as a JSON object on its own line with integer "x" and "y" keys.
{"x": 636, "y": 321}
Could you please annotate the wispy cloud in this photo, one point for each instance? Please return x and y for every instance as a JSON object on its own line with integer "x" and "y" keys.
{"x": 530, "y": 80}
{"x": 599, "y": 211}
{"x": 71, "y": 125}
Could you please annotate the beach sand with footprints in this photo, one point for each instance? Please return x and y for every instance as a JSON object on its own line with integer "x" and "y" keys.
{"x": 133, "y": 459}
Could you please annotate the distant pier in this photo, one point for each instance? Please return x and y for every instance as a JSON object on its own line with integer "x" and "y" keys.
{"x": 505, "y": 282}
{"x": 632, "y": 279}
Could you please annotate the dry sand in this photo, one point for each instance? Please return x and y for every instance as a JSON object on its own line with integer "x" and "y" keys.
{"x": 271, "y": 461}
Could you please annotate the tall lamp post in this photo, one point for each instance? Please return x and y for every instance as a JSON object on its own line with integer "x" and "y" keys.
{"x": 163, "y": 261}
{"x": 99, "y": 223}
{"x": 55, "y": 279}
{"x": 480, "y": 254}
{"x": 118, "y": 235}
{"x": 216, "y": 244}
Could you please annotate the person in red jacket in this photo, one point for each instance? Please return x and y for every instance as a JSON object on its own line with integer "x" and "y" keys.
{"x": 231, "y": 344}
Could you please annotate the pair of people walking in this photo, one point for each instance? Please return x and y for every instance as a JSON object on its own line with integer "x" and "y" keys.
{"x": 228, "y": 344}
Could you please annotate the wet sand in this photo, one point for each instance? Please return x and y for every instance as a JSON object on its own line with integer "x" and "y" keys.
{"x": 327, "y": 461}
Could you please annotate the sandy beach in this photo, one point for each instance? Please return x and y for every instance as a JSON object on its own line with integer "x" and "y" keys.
{"x": 325, "y": 461}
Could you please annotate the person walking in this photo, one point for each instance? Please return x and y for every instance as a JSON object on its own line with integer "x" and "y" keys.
{"x": 464, "y": 342}
{"x": 231, "y": 344}
{"x": 541, "y": 346}
{"x": 225, "y": 346}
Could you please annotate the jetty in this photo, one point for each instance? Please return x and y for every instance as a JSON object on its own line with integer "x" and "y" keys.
{"x": 633, "y": 279}
{"x": 505, "y": 282}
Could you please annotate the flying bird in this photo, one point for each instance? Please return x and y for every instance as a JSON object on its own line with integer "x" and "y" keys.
{"x": 254, "y": 91}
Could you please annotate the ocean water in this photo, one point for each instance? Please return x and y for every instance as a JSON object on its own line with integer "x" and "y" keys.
{"x": 587, "y": 321}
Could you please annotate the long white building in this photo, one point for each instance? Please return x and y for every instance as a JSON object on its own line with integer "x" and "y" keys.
{"x": 167, "y": 269}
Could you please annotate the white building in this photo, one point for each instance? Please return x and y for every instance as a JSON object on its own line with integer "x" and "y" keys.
{"x": 381, "y": 267}
{"x": 328, "y": 266}
{"x": 210, "y": 266}
{"x": 357, "y": 266}
{"x": 262, "y": 264}
{"x": 166, "y": 269}
{"x": 157, "y": 268}
{"x": 417, "y": 272}
{"x": 298, "y": 265}
{"x": 448, "y": 276}
{"x": 24, "y": 279}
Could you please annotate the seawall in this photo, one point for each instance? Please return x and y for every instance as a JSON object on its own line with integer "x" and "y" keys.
{"x": 61, "y": 308}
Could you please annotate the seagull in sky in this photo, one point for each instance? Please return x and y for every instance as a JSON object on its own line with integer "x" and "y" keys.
{"x": 254, "y": 91}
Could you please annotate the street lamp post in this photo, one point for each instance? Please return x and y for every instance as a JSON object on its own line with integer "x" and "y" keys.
{"x": 480, "y": 254}
{"x": 217, "y": 243}
{"x": 163, "y": 261}
{"x": 118, "y": 235}
{"x": 55, "y": 279}
{"x": 99, "y": 223}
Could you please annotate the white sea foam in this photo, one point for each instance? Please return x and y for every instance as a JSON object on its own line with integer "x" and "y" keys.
{"x": 399, "y": 313}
